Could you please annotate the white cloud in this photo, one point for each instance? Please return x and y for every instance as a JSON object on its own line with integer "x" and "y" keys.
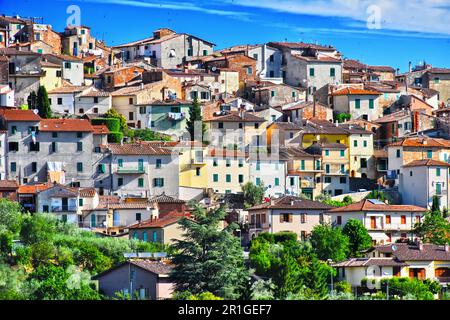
{"x": 171, "y": 5}
{"x": 422, "y": 16}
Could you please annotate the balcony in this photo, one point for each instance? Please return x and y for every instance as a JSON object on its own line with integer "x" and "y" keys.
{"x": 443, "y": 279}
{"x": 176, "y": 116}
{"x": 389, "y": 227}
{"x": 130, "y": 171}
{"x": 64, "y": 209}
{"x": 307, "y": 183}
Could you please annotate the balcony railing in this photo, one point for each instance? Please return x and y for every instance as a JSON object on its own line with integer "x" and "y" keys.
{"x": 64, "y": 209}
{"x": 130, "y": 171}
{"x": 176, "y": 116}
{"x": 391, "y": 226}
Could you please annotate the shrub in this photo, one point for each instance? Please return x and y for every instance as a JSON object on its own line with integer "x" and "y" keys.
{"x": 285, "y": 236}
{"x": 115, "y": 137}
{"x": 113, "y": 124}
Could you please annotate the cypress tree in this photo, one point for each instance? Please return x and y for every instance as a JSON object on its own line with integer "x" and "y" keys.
{"x": 43, "y": 104}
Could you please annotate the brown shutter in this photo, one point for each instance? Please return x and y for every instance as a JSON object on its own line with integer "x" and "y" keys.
{"x": 290, "y": 217}
{"x": 281, "y": 218}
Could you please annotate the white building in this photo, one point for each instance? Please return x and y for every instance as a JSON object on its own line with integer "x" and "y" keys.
{"x": 6, "y": 96}
{"x": 421, "y": 180}
{"x": 385, "y": 223}
{"x": 359, "y": 103}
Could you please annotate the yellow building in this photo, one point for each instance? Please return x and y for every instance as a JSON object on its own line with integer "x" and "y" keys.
{"x": 193, "y": 165}
{"x": 52, "y": 77}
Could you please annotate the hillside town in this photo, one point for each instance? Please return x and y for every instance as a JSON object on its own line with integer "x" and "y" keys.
{"x": 266, "y": 154}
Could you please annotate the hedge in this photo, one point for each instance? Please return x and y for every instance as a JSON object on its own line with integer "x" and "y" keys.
{"x": 113, "y": 124}
{"x": 115, "y": 137}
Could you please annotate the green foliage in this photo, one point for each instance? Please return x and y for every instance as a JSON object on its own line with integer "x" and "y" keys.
{"x": 208, "y": 259}
{"x": 343, "y": 287}
{"x": 147, "y": 135}
{"x": 343, "y": 117}
{"x": 263, "y": 290}
{"x": 292, "y": 266}
{"x": 284, "y": 236}
{"x": 43, "y": 104}
{"x": 411, "y": 289}
{"x": 6, "y": 242}
{"x": 253, "y": 194}
{"x": 329, "y": 243}
{"x": 10, "y": 215}
{"x": 434, "y": 228}
{"x": 12, "y": 283}
{"x": 24, "y": 107}
{"x": 56, "y": 283}
{"x": 115, "y": 137}
{"x": 380, "y": 195}
{"x": 38, "y": 229}
{"x": 435, "y": 207}
{"x": 359, "y": 238}
{"x": 113, "y": 124}
{"x": 195, "y": 114}
{"x": 32, "y": 101}
{"x": 112, "y": 113}
{"x": 326, "y": 199}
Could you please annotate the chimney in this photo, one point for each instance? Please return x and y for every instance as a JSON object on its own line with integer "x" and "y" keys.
{"x": 420, "y": 245}
{"x": 410, "y": 67}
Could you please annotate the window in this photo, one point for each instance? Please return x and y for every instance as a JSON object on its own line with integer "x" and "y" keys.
{"x": 438, "y": 172}
{"x": 292, "y": 181}
{"x": 140, "y": 182}
{"x": 342, "y": 168}
{"x": 271, "y": 58}
{"x": 215, "y": 177}
{"x": 81, "y": 110}
{"x": 205, "y": 52}
{"x": 54, "y": 134}
{"x": 371, "y": 104}
{"x": 357, "y": 103}
{"x": 342, "y": 153}
{"x": 158, "y": 182}
{"x": 197, "y": 172}
{"x": 80, "y": 202}
{"x": 138, "y": 217}
{"x": 215, "y": 162}
{"x": 131, "y": 116}
{"x": 189, "y": 52}
{"x": 317, "y": 164}
{"x": 410, "y": 173}
{"x": 256, "y": 125}
{"x": 228, "y": 163}
{"x": 437, "y": 80}
{"x": 228, "y": 178}
{"x": 403, "y": 219}
{"x": 130, "y": 100}
{"x": 430, "y": 154}
{"x": 34, "y": 167}
{"x": 342, "y": 180}
{"x": 249, "y": 71}
{"x": 80, "y": 166}
{"x": 53, "y": 146}
{"x": 339, "y": 220}
{"x": 277, "y": 182}
{"x": 327, "y": 168}
{"x": 13, "y": 130}
{"x": 258, "y": 181}
{"x": 438, "y": 189}
{"x": 303, "y": 217}
{"x": 272, "y": 93}
{"x": 79, "y": 146}
{"x": 102, "y": 168}
{"x": 120, "y": 163}
{"x": 302, "y": 165}
{"x": 34, "y": 146}
{"x": 398, "y": 153}
{"x": 45, "y": 208}
{"x": 285, "y": 218}
{"x": 13, "y": 167}
{"x": 204, "y": 95}
{"x": 120, "y": 182}
{"x": 258, "y": 166}
{"x": 365, "y": 144}
{"x": 311, "y": 72}
{"x": 158, "y": 163}
{"x": 241, "y": 178}
{"x": 13, "y": 146}
{"x": 241, "y": 163}
{"x": 388, "y": 219}
{"x": 144, "y": 234}
{"x": 327, "y": 153}
{"x": 67, "y": 65}
{"x": 363, "y": 162}
{"x": 327, "y": 180}
{"x": 220, "y": 125}
{"x": 59, "y": 101}
{"x": 332, "y": 72}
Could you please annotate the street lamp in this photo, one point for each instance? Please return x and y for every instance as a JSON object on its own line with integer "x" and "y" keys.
{"x": 329, "y": 261}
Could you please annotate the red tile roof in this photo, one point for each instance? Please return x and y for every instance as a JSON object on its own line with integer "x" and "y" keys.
{"x": 159, "y": 223}
{"x": 33, "y": 189}
{"x": 19, "y": 115}
{"x": 66, "y": 125}
{"x": 235, "y": 117}
{"x": 367, "y": 205}
{"x": 354, "y": 91}
{"x": 423, "y": 142}
{"x": 139, "y": 149}
{"x": 9, "y": 184}
{"x": 292, "y": 203}
{"x": 428, "y": 163}
{"x": 100, "y": 129}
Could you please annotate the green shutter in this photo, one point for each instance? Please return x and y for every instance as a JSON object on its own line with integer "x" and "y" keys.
{"x": 228, "y": 178}
{"x": 358, "y": 103}
{"x": 371, "y": 104}
{"x": 303, "y": 165}
{"x": 120, "y": 162}
{"x": 215, "y": 177}
{"x": 438, "y": 172}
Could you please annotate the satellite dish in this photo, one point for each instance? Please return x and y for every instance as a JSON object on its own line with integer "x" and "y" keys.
{"x": 35, "y": 111}
{"x": 213, "y": 69}
{"x": 394, "y": 247}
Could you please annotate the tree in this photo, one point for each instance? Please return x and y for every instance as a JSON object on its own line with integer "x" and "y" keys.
{"x": 208, "y": 259}
{"x": 32, "y": 101}
{"x": 342, "y": 117}
{"x": 148, "y": 135}
{"x": 253, "y": 194}
{"x": 10, "y": 215}
{"x": 435, "y": 206}
{"x": 43, "y": 104}
{"x": 329, "y": 243}
{"x": 359, "y": 238}
{"x": 38, "y": 229}
{"x": 411, "y": 289}
{"x": 112, "y": 113}
{"x": 380, "y": 195}
{"x": 434, "y": 228}
{"x": 195, "y": 114}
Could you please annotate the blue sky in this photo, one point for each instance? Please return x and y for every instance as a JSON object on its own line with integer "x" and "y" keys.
{"x": 400, "y": 31}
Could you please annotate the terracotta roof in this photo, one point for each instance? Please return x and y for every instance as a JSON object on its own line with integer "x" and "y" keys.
{"x": 33, "y": 189}
{"x": 139, "y": 149}
{"x": 298, "y": 153}
{"x": 68, "y": 89}
{"x": 288, "y": 126}
{"x": 46, "y": 64}
{"x": 394, "y": 117}
{"x": 157, "y": 267}
{"x": 412, "y": 252}
{"x": 100, "y": 129}
{"x": 12, "y": 51}
{"x": 225, "y": 153}
{"x": 354, "y": 64}
{"x": 9, "y": 184}
{"x": 423, "y": 142}
{"x": 381, "y": 68}
{"x": 159, "y": 223}
{"x": 173, "y": 102}
{"x": 64, "y": 57}
{"x": 439, "y": 70}
{"x": 301, "y": 45}
{"x": 293, "y": 203}
{"x": 428, "y": 163}
{"x": 163, "y": 198}
{"x": 19, "y": 115}
{"x": 87, "y": 192}
{"x": 380, "y": 153}
{"x": 367, "y": 205}
{"x": 235, "y": 117}
{"x": 319, "y": 58}
{"x": 354, "y": 91}
{"x": 366, "y": 262}
{"x": 67, "y": 125}
{"x": 305, "y": 104}
{"x": 95, "y": 93}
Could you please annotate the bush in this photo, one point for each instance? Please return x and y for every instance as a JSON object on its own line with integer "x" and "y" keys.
{"x": 115, "y": 137}
{"x": 343, "y": 287}
{"x": 113, "y": 124}
{"x": 285, "y": 236}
